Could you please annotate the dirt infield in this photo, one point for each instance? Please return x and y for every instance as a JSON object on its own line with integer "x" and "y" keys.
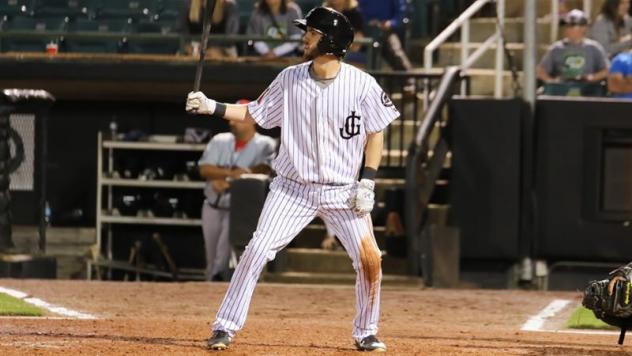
{"x": 173, "y": 318}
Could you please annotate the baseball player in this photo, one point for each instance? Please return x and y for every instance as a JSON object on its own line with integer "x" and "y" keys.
{"x": 226, "y": 157}
{"x": 330, "y": 114}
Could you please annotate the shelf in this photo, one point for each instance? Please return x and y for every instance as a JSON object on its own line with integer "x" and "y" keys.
{"x": 166, "y": 146}
{"x": 182, "y": 273}
{"x": 149, "y": 221}
{"x": 152, "y": 183}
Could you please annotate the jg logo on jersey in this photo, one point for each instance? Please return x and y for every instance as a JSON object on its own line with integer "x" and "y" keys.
{"x": 350, "y": 128}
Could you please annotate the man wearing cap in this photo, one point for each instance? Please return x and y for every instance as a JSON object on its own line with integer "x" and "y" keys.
{"x": 575, "y": 57}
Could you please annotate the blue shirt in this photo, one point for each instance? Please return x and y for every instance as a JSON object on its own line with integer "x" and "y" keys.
{"x": 392, "y": 10}
{"x": 622, "y": 63}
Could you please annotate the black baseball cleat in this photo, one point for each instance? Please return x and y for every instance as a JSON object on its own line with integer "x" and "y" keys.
{"x": 219, "y": 340}
{"x": 370, "y": 343}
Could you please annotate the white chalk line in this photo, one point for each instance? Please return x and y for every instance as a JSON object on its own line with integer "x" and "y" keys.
{"x": 45, "y": 305}
{"x": 536, "y": 322}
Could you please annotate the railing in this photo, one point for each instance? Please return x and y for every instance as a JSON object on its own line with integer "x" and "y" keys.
{"x": 424, "y": 163}
{"x": 371, "y": 46}
{"x": 467, "y": 60}
{"x": 398, "y": 135}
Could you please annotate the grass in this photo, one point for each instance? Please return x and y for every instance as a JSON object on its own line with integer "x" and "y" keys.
{"x": 10, "y": 306}
{"x": 583, "y": 318}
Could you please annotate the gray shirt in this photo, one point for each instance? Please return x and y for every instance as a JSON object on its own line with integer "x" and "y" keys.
{"x": 604, "y": 32}
{"x": 261, "y": 24}
{"x": 569, "y": 61}
{"x": 220, "y": 151}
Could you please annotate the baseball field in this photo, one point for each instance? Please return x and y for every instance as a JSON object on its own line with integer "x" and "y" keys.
{"x": 138, "y": 318}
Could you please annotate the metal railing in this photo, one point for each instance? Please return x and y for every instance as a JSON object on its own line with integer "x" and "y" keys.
{"x": 410, "y": 103}
{"x": 468, "y": 59}
{"x": 371, "y": 46}
{"x": 424, "y": 163}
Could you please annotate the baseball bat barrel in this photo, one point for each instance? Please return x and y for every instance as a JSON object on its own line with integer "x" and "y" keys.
{"x": 206, "y": 29}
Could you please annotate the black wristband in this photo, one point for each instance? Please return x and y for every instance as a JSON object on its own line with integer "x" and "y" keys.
{"x": 220, "y": 110}
{"x": 368, "y": 173}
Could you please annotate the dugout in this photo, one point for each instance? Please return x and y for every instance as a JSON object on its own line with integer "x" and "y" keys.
{"x": 555, "y": 186}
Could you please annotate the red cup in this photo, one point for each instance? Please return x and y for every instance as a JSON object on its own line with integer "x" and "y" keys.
{"x": 52, "y": 48}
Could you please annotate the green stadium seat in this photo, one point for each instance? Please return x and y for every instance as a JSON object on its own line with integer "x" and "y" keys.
{"x": 171, "y": 9}
{"x": 70, "y": 8}
{"x": 165, "y": 45}
{"x": 246, "y": 7}
{"x": 97, "y": 45}
{"x": 14, "y": 7}
{"x": 28, "y": 23}
{"x": 307, "y": 5}
{"x": 134, "y": 9}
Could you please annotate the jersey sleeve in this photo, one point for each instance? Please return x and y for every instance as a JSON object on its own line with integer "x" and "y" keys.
{"x": 618, "y": 66}
{"x": 267, "y": 110}
{"x": 211, "y": 153}
{"x": 378, "y": 109}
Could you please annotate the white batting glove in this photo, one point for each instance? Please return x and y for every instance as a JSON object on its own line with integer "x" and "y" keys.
{"x": 364, "y": 198}
{"x": 198, "y": 103}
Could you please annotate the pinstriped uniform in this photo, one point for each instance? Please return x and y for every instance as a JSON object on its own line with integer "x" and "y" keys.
{"x": 323, "y": 136}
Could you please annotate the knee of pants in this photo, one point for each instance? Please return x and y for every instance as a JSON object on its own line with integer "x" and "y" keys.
{"x": 369, "y": 263}
{"x": 260, "y": 247}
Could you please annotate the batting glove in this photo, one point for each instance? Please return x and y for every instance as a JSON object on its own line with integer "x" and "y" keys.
{"x": 198, "y": 103}
{"x": 364, "y": 199}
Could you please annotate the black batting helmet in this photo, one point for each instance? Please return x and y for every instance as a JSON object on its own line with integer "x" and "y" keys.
{"x": 334, "y": 26}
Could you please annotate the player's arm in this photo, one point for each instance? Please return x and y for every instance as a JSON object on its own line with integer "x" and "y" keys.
{"x": 543, "y": 75}
{"x": 373, "y": 151}
{"x": 619, "y": 84}
{"x": 198, "y": 103}
{"x": 598, "y": 76}
{"x": 363, "y": 200}
{"x": 212, "y": 172}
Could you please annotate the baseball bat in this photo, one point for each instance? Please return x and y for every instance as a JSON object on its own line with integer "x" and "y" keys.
{"x": 206, "y": 29}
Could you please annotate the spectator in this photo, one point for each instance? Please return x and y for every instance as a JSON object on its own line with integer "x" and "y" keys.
{"x": 225, "y": 21}
{"x": 387, "y": 16}
{"x": 350, "y": 9}
{"x": 613, "y": 26}
{"x": 574, "y": 58}
{"x": 228, "y": 156}
{"x": 273, "y": 18}
{"x": 620, "y": 76}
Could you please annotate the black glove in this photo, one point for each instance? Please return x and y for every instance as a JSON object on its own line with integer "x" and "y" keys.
{"x": 614, "y": 308}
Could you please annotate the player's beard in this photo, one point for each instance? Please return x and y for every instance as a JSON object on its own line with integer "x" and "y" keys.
{"x": 311, "y": 53}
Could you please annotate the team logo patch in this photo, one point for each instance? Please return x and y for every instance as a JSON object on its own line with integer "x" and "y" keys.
{"x": 350, "y": 127}
{"x": 386, "y": 101}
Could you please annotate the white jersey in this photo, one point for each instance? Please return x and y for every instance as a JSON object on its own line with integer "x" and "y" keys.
{"x": 323, "y": 130}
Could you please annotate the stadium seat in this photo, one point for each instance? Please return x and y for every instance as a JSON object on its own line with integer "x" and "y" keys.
{"x": 70, "y": 8}
{"x": 165, "y": 45}
{"x": 14, "y": 7}
{"x": 134, "y": 9}
{"x": 307, "y": 5}
{"x": 28, "y": 23}
{"x": 246, "y": 7}
{"x": 171, "y": 9}
{"x": 97, "y": 45}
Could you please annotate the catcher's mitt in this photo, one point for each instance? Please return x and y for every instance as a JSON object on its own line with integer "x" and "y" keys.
{"x": 614, "y": 309}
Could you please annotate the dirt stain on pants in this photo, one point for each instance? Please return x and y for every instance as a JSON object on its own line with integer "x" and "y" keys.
{"x": 371, "y": 261}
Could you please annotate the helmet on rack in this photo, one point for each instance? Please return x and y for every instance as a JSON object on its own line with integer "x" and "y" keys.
{"x": 334, "y": 26}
